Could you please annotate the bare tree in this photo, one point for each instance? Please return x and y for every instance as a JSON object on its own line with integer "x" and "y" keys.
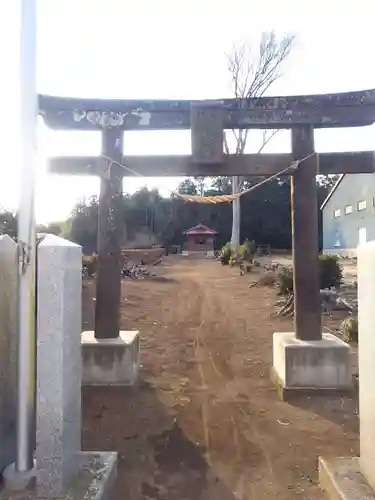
{"x": 252, "y": 74}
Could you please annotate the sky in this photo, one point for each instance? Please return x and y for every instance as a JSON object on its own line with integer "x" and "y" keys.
{"x": 170, "y": 49}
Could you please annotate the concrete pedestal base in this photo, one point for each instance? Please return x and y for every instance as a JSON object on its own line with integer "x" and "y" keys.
{"x": 94, "y": 480}
{"x": 14, "y": 480}
{"x": 341, "y": 479}
{"x": 110, "y": 361}
{"x": 300, "y": 365}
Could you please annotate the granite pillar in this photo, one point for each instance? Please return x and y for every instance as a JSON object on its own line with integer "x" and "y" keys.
{"x": 8, "y": 349}
{"x": 354, "y": 477}
{"x": 59, "y": 459}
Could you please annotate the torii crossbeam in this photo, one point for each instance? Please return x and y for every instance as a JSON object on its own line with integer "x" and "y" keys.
{"x": 207, "y": 121}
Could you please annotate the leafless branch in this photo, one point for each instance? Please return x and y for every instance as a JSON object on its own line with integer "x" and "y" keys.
{"x": 226, "y": 147}
{"x": 268, "y": 135}
{"x": 253, "y": 72}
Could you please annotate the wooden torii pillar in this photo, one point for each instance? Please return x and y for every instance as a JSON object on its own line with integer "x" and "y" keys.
{"x": 207, "y": 120}
{"x": 110, "y": 224}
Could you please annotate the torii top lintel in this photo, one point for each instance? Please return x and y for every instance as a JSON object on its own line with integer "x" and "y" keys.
{"x": 349, "y": 109}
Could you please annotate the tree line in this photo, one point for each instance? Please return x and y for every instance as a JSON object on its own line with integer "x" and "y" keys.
{"x": 265, "y": 214}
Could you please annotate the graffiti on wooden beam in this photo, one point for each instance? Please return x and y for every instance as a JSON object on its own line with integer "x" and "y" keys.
{"x": 326, "y": 110}
{"x": 110, "y": 118}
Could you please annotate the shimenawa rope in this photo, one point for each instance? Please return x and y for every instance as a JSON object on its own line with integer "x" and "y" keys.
{"x": 220, "y": 198}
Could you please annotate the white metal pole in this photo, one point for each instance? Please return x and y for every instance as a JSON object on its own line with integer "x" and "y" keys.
{"x": 26, "y": 383}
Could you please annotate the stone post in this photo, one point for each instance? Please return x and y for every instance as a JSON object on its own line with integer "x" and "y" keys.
{"x": 8, "y": 349}
{"x": 62, "y": 469}
{"x": 354, "y": 477}
{"x": 59, "y": 363}
{"x": 366, "y": 357}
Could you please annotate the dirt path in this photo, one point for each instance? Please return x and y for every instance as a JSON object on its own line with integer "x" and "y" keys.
{"x": 205, "y": 422}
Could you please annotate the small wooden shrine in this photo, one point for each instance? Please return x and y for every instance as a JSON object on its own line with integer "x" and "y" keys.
{"x": 200, "y": 238}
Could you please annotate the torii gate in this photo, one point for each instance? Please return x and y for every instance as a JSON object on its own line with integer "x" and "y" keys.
{"x": 207, "y": 121}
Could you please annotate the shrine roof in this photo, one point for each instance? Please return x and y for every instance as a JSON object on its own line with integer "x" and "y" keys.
{"x": 200, "y": 229}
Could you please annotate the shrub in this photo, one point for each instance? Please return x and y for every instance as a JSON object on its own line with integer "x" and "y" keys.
{"x": 234, "y": 256}
{"x": 245, "y": 252}
{"x": 226, "y": 254}
{"x": 330, "y": 271}
{"x": 285, "y": 280}
{"x": 330, "y": 274}
{"x": 235, "y": 260}
{"x": 349, "y": 329}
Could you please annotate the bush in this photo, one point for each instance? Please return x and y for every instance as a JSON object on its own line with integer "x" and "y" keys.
{"x": 330, "y": 274}
{"x": 285, "y": 280}
{"x": 349, "y": 329}
{"x": 330, "y": 271}
{"x": 245, "y": 252}
{"x": 226, "y": 254}
{"x": 234, "y": 256}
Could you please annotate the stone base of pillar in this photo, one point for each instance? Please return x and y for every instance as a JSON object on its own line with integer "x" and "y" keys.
{"x": 310, "y": 366}
{"x": 112, "y": 362}
{"x": 15, "y": 480}
{"x": 341, "y": 479}
{"x": 94, "y": 479}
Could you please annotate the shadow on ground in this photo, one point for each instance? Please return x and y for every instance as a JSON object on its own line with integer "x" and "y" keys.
{"x": 156, "y": 459}
{"x": 335, "y": 408}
